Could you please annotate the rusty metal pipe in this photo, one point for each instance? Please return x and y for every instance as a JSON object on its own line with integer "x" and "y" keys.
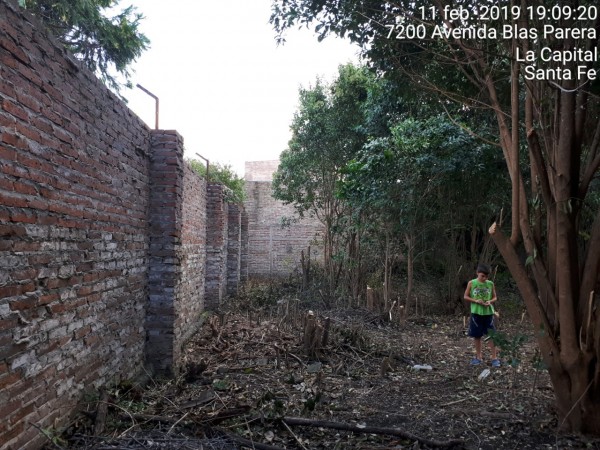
{"x": 207, "y": 163}
{"x": 139, "y": 86}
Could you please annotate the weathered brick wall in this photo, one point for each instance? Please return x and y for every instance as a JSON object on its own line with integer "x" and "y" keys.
{"x": 216, "y": 245}
{"x": 234, "y": 248}
{"x": 177, "y": 252}
{"x": 260, "y": 170}
{"x": 75, "y": 172}
{"x": 274, "y": 250}
{"x": 244, "y": 245}
{"x": 193, "y": 257}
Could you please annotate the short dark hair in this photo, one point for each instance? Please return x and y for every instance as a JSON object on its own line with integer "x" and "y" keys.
{"x": 483, "y": 268}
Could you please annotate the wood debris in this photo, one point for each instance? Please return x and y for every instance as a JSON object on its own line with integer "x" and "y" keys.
{"x": 334, "y": 380}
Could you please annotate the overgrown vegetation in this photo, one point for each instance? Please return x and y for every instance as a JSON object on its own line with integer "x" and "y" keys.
{"x": 397, "y": 192}
{"x": 224, "y": 174}
{"x": 545, "y": 129}
{"x": 247, "y": 381}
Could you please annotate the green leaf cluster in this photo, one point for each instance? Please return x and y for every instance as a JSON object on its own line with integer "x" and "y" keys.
{"x": 385, "y": 170}
{"x": 224, "y": 174}
{"x": 327, "y": 132}
{"x": 106, "y": 44}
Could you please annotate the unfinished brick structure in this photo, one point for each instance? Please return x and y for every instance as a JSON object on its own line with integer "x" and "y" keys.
{"x": 216, "y": 251}
{"x": 234, "y": 248}
{"x": 103, "y": 231}
{"x": 177, "y": 251}
{"x": 273, "y": 250}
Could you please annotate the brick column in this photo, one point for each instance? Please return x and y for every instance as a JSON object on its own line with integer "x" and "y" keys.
{"x": 166, "y": 200}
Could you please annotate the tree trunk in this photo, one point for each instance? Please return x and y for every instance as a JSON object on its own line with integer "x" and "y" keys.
{"x": 410, "y": 263}
{"x": 386, "y": 272}
{"x": 573, "y": 371}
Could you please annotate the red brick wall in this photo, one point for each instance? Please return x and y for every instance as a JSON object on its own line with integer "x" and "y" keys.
{"x": 177, "y": 252}
{"x": 216, "y": 245}
{"x": 75, "y": 186}
{"x": 234, "y": 248}
{"x": 193, "y": 257}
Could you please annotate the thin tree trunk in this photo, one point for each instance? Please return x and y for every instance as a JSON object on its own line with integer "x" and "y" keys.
{"x": 408, "y": 240}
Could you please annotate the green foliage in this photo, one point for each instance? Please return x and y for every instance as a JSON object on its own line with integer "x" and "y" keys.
{"x": 105, "y": 44}
{"x": 54, "y": 436}
{"x": 221, "y": 385}
{"x": 387, "y": 173}
{"x": 258, "y": 294}
{"x": 367, "y": 23}
{"x": 224, "y": 174}
{"x": 511, "y": 347}
{"x": 421, "y": 181}
{"x": 355, "y": 336}
{"x": 328, "y": 131}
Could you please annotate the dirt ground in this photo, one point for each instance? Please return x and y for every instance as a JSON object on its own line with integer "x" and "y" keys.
{"x": 249, "y": 383}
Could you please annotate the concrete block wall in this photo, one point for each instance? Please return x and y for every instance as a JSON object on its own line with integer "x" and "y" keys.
{"x": 273, "y": 250}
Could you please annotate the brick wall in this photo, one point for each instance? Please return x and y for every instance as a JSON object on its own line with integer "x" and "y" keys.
{"x": 216, "y": 245}
{"x": 243, "y": 245}
{"x": 177, "y": 252}
{"x": 192, "y": 258}
{"x": 234, "y": 248}
{"x": 274, "y": 250}
{"x": 260, "y": 170}
{"x": 77, "y": 259}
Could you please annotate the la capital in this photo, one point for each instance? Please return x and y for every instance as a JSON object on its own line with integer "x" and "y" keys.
{"x": 528, "y": 56}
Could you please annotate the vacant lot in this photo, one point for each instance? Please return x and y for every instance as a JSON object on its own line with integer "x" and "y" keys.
{"x": 249, "y": 383}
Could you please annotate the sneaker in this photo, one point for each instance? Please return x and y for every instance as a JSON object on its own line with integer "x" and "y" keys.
{"x": 496, "y": 363}
{"x": 475, "y": 361}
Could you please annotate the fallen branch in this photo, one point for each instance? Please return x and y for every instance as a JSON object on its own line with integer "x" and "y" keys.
{"x": 224, "y": 415}
{"x": 371, "y": 430}
{"x": 191, "y": 418}
{"x": 289, "y": 353}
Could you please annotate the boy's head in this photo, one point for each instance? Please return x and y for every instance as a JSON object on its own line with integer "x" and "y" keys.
{"x": 483, "y": 271}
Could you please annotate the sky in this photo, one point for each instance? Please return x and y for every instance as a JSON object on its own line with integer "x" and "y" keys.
{"x": 222, "y": 81}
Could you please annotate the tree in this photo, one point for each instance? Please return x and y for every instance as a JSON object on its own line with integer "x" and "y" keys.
{"x": 105, "y": 44}
{"x": 326, "y": 134}
{"x": 547, "y": 111}
{"x": 418, "y": 186}
{"x": 224, "y": 174}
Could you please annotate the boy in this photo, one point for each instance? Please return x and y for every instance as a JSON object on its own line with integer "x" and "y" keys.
{"x": 481, "y": 293}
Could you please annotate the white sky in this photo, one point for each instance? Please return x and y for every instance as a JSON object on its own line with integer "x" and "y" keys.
{"x": 223, "y": 83}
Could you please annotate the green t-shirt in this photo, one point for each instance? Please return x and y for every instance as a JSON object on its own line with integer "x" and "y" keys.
{"x": 481, "y": 291}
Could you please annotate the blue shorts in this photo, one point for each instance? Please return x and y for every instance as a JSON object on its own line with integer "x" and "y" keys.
{"x": 480, "y": 325}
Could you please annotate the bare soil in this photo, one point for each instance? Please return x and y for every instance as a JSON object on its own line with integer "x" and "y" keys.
{"x": 248, "y": 383}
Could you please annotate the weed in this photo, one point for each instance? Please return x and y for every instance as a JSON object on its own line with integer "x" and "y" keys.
{"x": 511, "y": 349}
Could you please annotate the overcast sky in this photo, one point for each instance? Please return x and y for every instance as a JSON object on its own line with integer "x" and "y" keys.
{"x": 222, "y": 81}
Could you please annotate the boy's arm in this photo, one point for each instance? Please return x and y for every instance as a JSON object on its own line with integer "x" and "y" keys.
{"x": 494, "y": 296}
